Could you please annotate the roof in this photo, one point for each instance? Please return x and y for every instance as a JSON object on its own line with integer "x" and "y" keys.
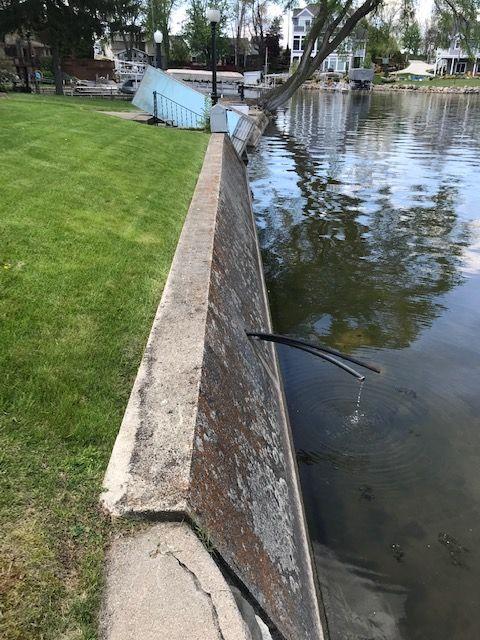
{"x": 203, "y": 75}
{"x": 245, "y": 45}
{"x": 313, "y": 8}
{"x": 415, "y": 68}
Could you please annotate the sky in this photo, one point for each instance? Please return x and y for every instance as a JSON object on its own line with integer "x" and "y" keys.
{"x": 424, "y": 8}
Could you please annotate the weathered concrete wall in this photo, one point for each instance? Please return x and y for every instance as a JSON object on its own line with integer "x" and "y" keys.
{"x": 206, "y": 432}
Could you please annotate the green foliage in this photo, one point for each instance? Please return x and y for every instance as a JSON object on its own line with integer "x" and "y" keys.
{"x": 275, "y": 28}
{"x": 158, "y": 16}
{"x": 412, "y": 37}
{"x": 381, "y": 42}
{"x": 179, "y": 50}
{"x": 90, "y": 214}
{"x": 68, "y": 26}
{"x": 7, "y": 79}
{"x": 272, "y": 41}
{"x": 46, "y": 66}
{"x": 127, "y": 19}
{"x": 197, "y": 31}
{"x": 458, "y": 18}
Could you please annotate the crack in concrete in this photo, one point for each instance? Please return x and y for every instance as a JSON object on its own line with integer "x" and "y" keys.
{"x": 198, "y": 586}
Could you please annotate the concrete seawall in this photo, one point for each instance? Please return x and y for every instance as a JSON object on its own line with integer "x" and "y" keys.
{"x": 206, "y": 437}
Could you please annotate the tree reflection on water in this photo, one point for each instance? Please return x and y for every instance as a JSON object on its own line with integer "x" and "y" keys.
{"x": 368, "y": 215}
{"x": 345, "y": 259}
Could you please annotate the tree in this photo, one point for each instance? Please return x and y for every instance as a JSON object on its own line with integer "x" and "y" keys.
{"x": 272, "y": 41}
{"x": 179, "y": 51}
{"x": 412, "y": 38}
{"x": 336, "y": 19}
{"x": 158, "y": 17}
{"x": 65, "y": 25}
{"x": 431, "y": 38}
{"x": 259, "y": 25}
{"x": 127, "y": 20}
{"x": 333, "y": 23}
{"x": 197, "y": 32}
{"x": 238, "y": 19}
{"x": 459, "y": 18}
{"x": 381, "y": 41}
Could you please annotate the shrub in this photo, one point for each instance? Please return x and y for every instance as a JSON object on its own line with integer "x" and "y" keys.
{"x": 7, "y": 78}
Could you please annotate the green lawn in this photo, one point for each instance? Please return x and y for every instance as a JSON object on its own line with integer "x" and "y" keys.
{"x": 90, "y": 212}
{"x": 433, "y": 82}
{"x": 84, "y": 103}
{"x": 446, "y": 82}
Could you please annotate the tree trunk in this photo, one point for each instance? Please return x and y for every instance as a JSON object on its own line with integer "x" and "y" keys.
{"x": 278, "y": 96}
{"x": 333, "y": 34}
{"x": 238, "y": 34}
{"x": 57, "y": 69}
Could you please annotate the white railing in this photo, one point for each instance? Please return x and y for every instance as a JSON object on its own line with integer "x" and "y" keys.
{"x": 127, "y": 69}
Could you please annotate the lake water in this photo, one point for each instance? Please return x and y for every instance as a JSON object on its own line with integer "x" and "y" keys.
{"x": 368, "y": 208}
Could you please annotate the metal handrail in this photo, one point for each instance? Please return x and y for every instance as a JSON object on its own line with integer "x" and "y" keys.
{"x": 181, "y": 105}
{"x": 170, "y": 111}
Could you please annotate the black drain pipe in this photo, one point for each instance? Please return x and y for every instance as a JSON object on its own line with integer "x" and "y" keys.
{"x": 322, "y": 352}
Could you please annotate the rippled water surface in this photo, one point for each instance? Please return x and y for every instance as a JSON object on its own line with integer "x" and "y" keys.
{"x": 369, "y": 214}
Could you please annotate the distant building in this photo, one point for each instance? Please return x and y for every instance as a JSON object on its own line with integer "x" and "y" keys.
{"x": 456, "y": 60}
{"x": 20, "y": 53}
{"x": 142, "y": 50}
{"x": 247, "y": 54}
{"x": 351, "y": 54}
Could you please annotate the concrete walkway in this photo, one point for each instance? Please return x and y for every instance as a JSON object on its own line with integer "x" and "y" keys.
{"x": 136, "y": 116}
{"x": 163, "y": 585}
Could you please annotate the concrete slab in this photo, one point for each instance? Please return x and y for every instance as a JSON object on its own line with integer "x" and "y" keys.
{"x": 136, "y": 116}
{"x": 162, "y": 584}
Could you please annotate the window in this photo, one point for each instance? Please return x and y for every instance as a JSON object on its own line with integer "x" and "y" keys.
{"x": 307, "y": 24}
{"x": 461, "y": 67}
{"x": 296, "y": 43}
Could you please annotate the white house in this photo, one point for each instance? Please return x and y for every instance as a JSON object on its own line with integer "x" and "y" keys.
{"x": 455, "y": 60}
{"x": 351, "y": 54}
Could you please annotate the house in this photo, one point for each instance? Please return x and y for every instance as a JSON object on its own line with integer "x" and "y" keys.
{"x": 245, "y": 57}
{"x": 142, "y": 50}
{"x": 20, "y": 52}
{"x": 456, "y": 60}
{"x": 351, "y": 54}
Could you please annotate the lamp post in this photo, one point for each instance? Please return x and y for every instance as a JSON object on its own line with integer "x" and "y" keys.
{"x": 213, "y": 16}
{"x": 158, "y": 37}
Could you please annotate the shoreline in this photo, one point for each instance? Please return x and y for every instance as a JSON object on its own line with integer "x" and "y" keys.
{"x": 404, "y": 88}
{"x": 426, "y": 89}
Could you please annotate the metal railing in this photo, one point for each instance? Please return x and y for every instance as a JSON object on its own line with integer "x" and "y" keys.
{"x": 174, "y": 114}
{"x": 128, "y": 69}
